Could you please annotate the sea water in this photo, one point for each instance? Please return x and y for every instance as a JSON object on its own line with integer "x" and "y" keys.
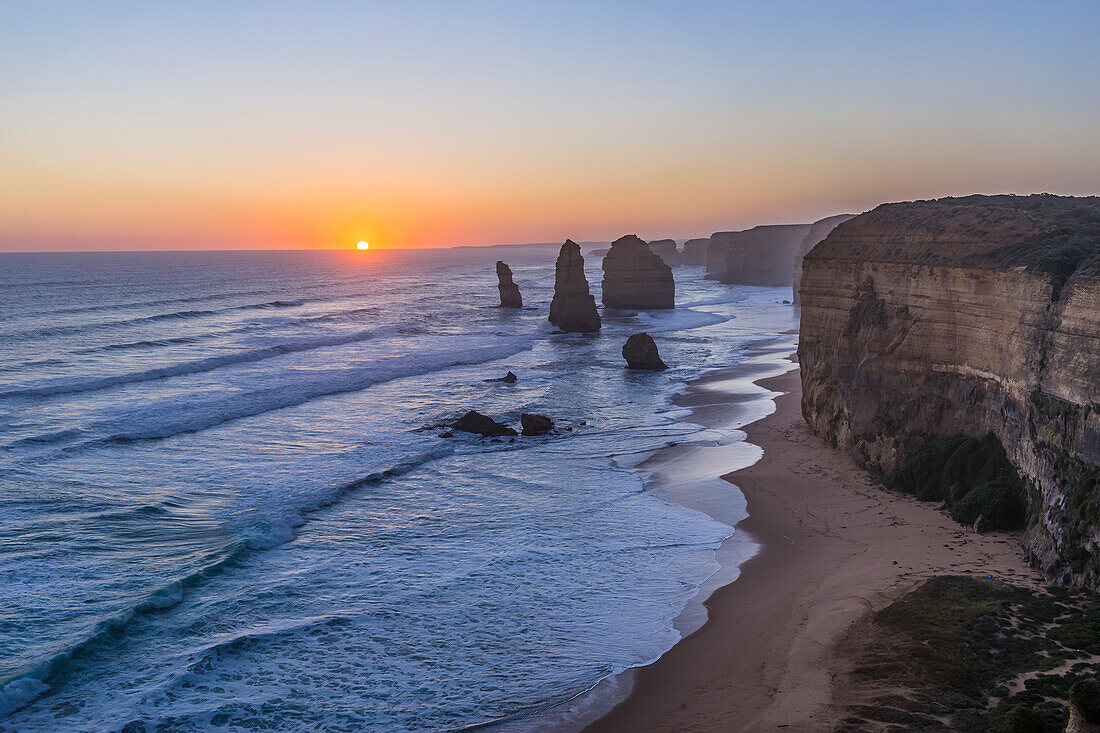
{"x": 226, "y": 501}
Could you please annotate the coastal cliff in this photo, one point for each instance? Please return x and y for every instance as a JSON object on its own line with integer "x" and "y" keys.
{"x": 971, "y": 316}
{"x": 762, "y": 255}
{"x": 695, "y": 251}
{"x": 818, "y": 231}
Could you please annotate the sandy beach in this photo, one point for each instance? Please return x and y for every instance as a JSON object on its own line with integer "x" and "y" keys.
{"x": 834, "y": 545}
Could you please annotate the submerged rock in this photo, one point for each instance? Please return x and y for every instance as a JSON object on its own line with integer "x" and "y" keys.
{"x": 509, "y": 291}
{"x": 475, "y": 422}
{"x": 666, "y": 250}
{"x": 640, "y": 352}
{"x": 634, "y": 277}
{"x": 535, "y": 424}
{"x": 573, "y": 307}
{"x": 508, "y": 378}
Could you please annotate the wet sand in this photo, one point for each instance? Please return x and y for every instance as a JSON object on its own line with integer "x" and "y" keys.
{"x": 833, "y": 545}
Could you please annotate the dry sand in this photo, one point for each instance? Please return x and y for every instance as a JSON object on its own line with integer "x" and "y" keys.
{"x": 834, "y": 545}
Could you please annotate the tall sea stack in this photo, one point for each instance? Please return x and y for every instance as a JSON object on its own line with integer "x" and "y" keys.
{"x": 509, "y": 291}
{"x": 635, "y": 277}
{"x": 695, "y": 251}
{"x": 573, "y": 307}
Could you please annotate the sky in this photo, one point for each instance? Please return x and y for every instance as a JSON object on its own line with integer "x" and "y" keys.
{"x": 270, "y": 125}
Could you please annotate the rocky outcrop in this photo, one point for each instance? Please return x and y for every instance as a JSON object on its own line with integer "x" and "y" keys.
{"x": 818, "y": 231}
{"x": 535, "y": 424}
{"x": 762, "y": 255}
{"x": 509, "y": 291}
{"x": 640, "y": 352}
{"x": 695, "y": 251}
{"x": 635, "y": 277}
{"x": 666, "y": 250}
{"x": 970, "y": 316}
{"x": 573, "y": 307}
{"x": 475, "y": 422}
{"x": 598, "y": 252}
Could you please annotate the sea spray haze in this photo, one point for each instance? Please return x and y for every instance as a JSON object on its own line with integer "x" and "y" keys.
{"x": 222, "y": 503}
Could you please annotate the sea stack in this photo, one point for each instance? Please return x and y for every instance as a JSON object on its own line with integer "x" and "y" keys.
{"x": 634, "y": 277}
{"x": 573, "y": 307}
{"x": 695, "y": 251}
{"x": 509, "y": 291}
{"x": 640, "y": 352}
{"x": 666, "y": 250}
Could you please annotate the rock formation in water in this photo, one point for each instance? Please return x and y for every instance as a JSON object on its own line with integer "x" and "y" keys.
{"x": 818, "y": 231}
{"x": 762, "y": 255}
{"x": 573, "y": 307}
{"x": 634, "y": 277}
{"x": 535, "y": 424}
{"x": 597, "y": 252}
{"x": 695, "y": 252}
{"x": 508, "y": 378}
{"x": 640, "y": 352}
{"x": 509, "y": 291}
{"x": 666, "y": 250}
{"x": 968, "y": 316}
{"x": 475, "y": 422}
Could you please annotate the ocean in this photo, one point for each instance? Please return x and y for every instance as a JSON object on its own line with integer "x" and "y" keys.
{"x": 226, "y": 502}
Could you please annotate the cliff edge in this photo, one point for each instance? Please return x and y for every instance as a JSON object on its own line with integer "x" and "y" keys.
{"x": 968, "y": 316}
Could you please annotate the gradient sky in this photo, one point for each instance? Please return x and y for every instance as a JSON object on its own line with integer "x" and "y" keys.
{"x": 194, "y": 125}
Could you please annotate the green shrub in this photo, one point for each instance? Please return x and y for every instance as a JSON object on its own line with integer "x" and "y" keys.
{"x": 1017, "y": 719}
{"x": 973, "y": 475}
{"x": 1085, "y": 696}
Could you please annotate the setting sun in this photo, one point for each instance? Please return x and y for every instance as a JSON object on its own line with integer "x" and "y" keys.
{"x": 363, "y": 245}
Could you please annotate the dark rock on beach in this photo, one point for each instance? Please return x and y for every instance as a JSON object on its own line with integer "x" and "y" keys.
{"x": 573, "y": 308}
{"x": 535, "y": 424}
{"x": 509, "y": 291}
{"x": 475, "y": 422}
{"x": 640, "y": 352}
{"x": 635, "y": 277}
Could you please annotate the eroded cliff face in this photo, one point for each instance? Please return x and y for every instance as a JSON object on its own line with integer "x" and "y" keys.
{"x": 762, "y": 255}
{"x": 818, "y": 231}
{"x": 935, "y": 318}
{"x": 695, "y": 251}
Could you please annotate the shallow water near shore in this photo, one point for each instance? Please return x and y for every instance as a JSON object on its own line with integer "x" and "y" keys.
{"x": 222, "y": 506}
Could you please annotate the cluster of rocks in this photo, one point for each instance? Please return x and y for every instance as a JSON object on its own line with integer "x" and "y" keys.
{"x": 474, "y": 422}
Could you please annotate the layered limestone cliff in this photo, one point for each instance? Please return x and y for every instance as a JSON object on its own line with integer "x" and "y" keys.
{"x": 762, "y": 255}
{"x": 573, "y": 308}
{"x": 971, "y": 316}
{"x": 635, "y": 277}
{"x": 695, "y": 251}
{"x": 818, "y": 231}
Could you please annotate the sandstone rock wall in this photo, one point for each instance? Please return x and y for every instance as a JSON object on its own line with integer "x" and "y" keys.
{"x": 915, "y": 324}
{"x": 762, "y": 255}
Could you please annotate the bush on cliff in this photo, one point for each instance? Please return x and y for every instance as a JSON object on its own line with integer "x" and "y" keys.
{"x": 1085, "y": 696}
{"x": 972, "y": 475}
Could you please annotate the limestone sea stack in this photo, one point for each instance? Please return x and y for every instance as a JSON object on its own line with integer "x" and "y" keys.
{"x": 640, "y": 352}
{"x": 509, "y": 291}
{"x": 666, "y": 250}
{"x": 573, "y": 308}
{"x": 695, "y": 252}
{"x": 635, "y": 277}
{"x": 818, "y": 231}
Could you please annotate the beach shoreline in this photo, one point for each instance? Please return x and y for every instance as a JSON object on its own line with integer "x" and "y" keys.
{"x": 832, "y": 545}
